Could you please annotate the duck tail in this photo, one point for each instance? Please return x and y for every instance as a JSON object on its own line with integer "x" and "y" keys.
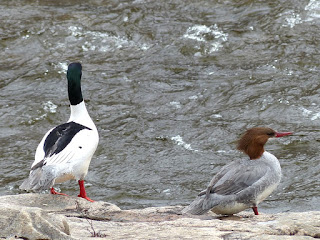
{"x": 197, "y": 207}
{"x": 38, "y": 180}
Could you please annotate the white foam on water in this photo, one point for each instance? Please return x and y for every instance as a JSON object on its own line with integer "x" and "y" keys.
{"x": 196, "y": 32}
{"x": 176, "y": 104}
{"x": 221, "y": 151}
{"x": 145, "y": 46}
{"x": 305, "y": 112}
{"x": 167, "y": 191}
{"x": 63, "y": 66}
{"x": 26, "y": 36}
{"x": 216, "y": 116}
{"x": 194, "y": 97}
{"x": 289, "y": 72}
{"x": 313, "y": 10}
{"x": 315, "y": 116}
{"x": 308, "y": 113}
{"x": 284, "y": 101}
{"x": 291, "y": 19}
{"x": 265, "y": 102}
{"x": 178, "y": 140}
{"x": 88, "y": 47}
{"x": 50, "y": 107}
{"x": 75, "y": 31}
{"x": 212, "y": 35}
{"x": 102, "y": 41}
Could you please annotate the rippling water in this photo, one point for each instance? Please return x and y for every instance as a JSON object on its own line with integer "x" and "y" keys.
{"x": 171, "y": 85}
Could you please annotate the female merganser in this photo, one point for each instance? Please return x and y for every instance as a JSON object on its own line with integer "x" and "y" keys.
{"x": 65, "y": 151}
{"x": 242, "y": 184}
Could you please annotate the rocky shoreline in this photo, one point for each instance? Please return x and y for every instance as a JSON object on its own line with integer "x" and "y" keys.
{"x": 45, "y": 216}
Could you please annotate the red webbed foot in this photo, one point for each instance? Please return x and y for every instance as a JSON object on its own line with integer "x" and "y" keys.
{"x": 83, "y": 193}
{"x": 52, "y": 191}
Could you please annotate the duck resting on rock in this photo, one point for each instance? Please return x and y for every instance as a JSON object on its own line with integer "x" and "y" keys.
{"x": 244, "y": 183}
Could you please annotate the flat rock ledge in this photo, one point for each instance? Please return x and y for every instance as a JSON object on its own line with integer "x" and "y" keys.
{"x": 45, "y": 216}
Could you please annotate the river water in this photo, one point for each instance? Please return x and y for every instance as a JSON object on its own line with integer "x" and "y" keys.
{"x": 171, "y": 86}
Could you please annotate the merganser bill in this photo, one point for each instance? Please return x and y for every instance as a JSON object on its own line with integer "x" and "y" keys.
{"x": 65, "y": 151}
{"x": 244, "y": 183}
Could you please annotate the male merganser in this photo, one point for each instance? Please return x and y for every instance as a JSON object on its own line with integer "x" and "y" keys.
{"x": 65, "y": 151}
{"x": 244, "y": 183}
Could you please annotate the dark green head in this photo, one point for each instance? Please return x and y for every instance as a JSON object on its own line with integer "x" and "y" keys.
{"x": 74, "y": 83}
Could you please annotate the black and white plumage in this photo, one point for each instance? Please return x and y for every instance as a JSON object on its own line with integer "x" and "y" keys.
{"x": 242, "y": 184}
{"x": 65, "y": 151}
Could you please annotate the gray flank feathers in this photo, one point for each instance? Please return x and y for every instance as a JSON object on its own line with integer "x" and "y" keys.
{"x": 39, "y": 179}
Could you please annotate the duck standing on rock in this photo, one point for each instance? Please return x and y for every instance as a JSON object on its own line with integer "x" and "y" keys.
{"x": 65, "y": 151}
{"x": 245, "y": 183}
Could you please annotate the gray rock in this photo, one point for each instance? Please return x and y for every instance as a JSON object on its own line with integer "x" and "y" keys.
{"x": 45, "y": 216}
{"x": 17, "y": 220}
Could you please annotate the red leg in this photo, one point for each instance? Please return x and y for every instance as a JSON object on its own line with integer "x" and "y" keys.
{"x": 52, "y": 191}
{"x": 83, "y": 193}
{"x": 255, "y": 210}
